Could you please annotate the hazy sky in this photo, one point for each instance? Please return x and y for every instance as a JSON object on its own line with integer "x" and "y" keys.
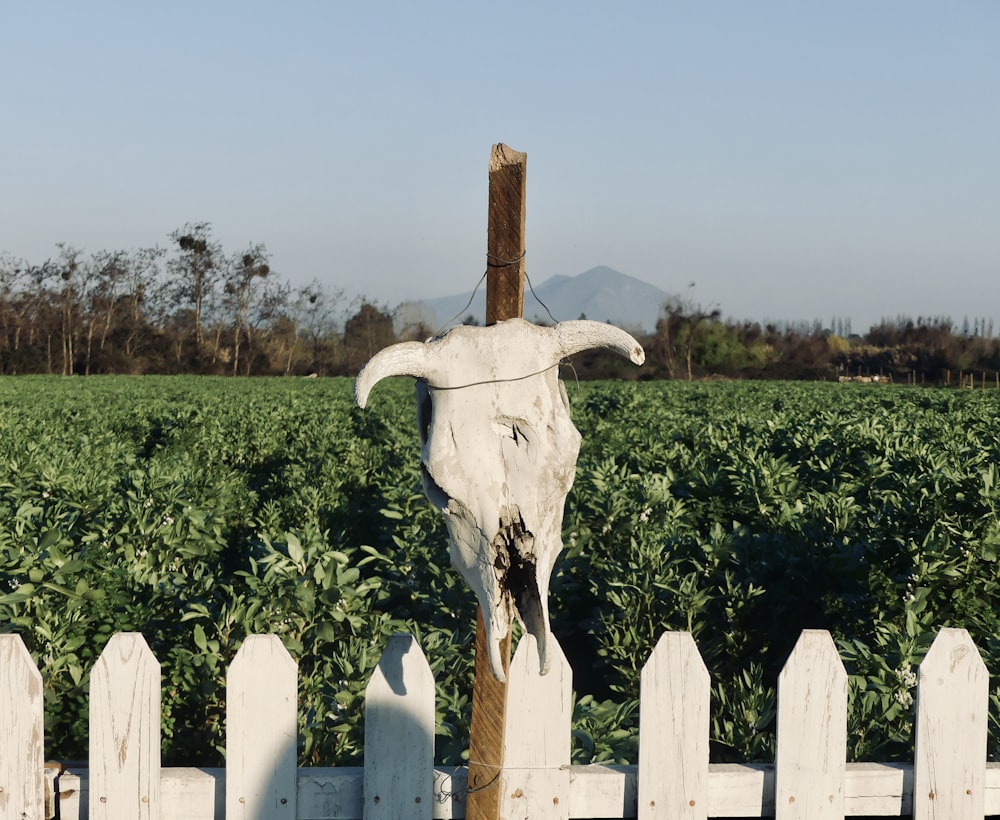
{"x": 796, "y": 160}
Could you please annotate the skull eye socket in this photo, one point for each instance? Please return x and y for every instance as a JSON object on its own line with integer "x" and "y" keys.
{"x": 425, "y": 411}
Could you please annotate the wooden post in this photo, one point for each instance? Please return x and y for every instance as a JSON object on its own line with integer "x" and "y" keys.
{"x": 505, "y": 235}
{"x": 504, "y": 300}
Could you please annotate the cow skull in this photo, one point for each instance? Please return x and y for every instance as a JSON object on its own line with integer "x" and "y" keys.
{"x": 499, "y": 454}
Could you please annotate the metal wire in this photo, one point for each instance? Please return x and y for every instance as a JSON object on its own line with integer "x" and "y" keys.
{"x": 493, "y": 261}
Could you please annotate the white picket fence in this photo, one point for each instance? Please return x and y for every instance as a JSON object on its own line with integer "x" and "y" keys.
{"x": 949, "y": 777}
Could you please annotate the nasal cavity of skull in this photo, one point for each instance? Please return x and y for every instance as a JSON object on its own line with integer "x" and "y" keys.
{"x": 516, "y": 566}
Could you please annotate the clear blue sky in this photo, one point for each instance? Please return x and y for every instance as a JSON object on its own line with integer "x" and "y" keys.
{"x": 796, "y": 160}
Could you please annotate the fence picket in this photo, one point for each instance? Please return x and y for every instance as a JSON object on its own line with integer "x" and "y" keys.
{"x": 950, "y": 777}
{"x": 811, "y": 742}
{"x": 951, "y": 734}
{"x": 535, "y": 778}
{"x": 125, "y": 731}
{"x": 399, "y": 728}
{"x": 22, "y": 754}
{"x": 674, "y": 730}
{"x": 261, "y": 731}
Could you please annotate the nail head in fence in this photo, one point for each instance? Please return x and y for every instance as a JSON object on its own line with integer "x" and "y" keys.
{"x": 22, "y": 721}
{"x": 399, "y": 734}
{"x": 125, "y": 731}
{"x": 949, "y": 765}
{"x": 261, "y": 731}
{"x": 811, "y": 742}
{"x": 674, "y": 715}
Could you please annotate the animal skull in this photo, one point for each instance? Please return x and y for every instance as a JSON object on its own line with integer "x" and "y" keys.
{"x": 499, "y": 454}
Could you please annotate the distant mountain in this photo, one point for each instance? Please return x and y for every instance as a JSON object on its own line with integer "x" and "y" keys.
{"x": 600, "y": 293}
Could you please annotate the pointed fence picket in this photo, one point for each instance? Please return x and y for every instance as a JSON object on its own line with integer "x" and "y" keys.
{"x": 261, "y": 731}
{"x": 399, "y": 734}
{"x": 535, "y": 779}
{"x": 949, "y": 769}
{"x": 673, "y": 759}
{"x": 811, "y": 742}
{"x": 949, "y": 777}
{"x": 22, "y": 774}
{"x": 125, "y": 731}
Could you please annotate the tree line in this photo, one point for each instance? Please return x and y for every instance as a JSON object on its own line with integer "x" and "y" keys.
{"x": 187, "y": 308}
{"x": 691, "y": 342}
{"x": 191, "y": 307}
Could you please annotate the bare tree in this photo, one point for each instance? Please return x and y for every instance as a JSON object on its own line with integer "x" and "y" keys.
{"x": 288, "y": 328}
{"x": 197, "y": 269}
{"x": 271, "y": 305}
{"x": 104, "y": 274}
{"x": 74, "y": 275}
{"x": 144, "y": 300}
{"x": 243, "y": 288}
{"x": 12, "y": 275}
{"x": 320, "y": 320}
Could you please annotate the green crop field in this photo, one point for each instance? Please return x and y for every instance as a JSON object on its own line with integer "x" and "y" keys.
{"x": 198, "y": 510}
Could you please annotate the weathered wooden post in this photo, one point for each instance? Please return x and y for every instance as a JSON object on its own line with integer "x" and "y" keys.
{"x": 504, "y": 300}
{"x": 505, "y": 235}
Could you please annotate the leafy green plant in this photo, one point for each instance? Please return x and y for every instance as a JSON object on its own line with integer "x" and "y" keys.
{"x": 199, "y": 511}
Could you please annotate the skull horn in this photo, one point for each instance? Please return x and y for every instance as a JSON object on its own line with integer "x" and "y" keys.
{"x": 583, "y": 334}
{"x": 403, "y": 359}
